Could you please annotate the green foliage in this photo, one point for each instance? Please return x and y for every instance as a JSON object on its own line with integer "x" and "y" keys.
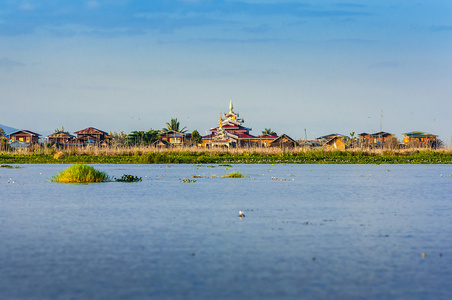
{"x": 235, "y": 174}
{"x": 9, "y": 167}
{"x": 118, "y": 138}
{"x": 61, "y": 130}
{"x": 173, "y": 125}
{"x": 2, "y": 132}
{"x": 196, "y": 137}
{"x": 268, "y": 131}
{"x": 80, "y": 174}
{"x": 128, "y": 178}
{"x": 188, "y": 180}
{"x": 207, "y": 157}
{"x": 137, "y": 138}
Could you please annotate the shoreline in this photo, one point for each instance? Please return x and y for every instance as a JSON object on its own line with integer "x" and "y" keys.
{"x": 235, "y": 156}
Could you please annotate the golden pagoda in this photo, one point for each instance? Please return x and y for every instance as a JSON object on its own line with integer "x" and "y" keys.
{"x": 231, "y": 133}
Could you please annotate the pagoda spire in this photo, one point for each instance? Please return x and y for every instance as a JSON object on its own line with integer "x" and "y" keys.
{"x": 230, "y": 107}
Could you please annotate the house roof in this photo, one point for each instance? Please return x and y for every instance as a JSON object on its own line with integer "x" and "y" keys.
{"x": 60, "y": 134}
{"x": 91, "y": 130}
{"x": 283, "y": 136}
{"x": 245, "y": 136}
{"x": 266, "y": 137}
{"x": 378, "y": 134}
{"x": 336, "y": 138}
{"x": 25, "y": 131}
{"x": 159, "y": 143}
{"x": 330, "y": 136}
{"x": 419, "y": 134}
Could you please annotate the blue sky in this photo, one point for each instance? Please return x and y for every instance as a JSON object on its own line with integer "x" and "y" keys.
{"x": 323, "y": 66}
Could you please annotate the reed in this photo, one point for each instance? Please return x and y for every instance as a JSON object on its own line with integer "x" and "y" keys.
{"x": 80, "y": 174}
{"x": 195, "y": 155}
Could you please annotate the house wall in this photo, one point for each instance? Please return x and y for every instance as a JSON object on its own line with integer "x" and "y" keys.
{"x": 24, "y": 137}
{"x": 421, "y": 140}
{"x": 336, "y": 144}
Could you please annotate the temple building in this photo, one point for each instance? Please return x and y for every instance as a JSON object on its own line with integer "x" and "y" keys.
{"x": 231, "y": 133}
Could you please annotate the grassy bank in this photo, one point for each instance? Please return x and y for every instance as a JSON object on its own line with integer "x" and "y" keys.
{"x": 202, "y": 156}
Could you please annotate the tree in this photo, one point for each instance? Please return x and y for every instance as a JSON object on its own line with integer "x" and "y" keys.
{"x": 142, "y": 137}
{"x": 353, "y": 139}
{"x": 196, "y": 137}
{"x": 61, "y": 130}
{"x": 118, "y": 138}
{"x": 2, "y": 132}
{"x": 269, "y": 131}
{"x": 173, "y": 125}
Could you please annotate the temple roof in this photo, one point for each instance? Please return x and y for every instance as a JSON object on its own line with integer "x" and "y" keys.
{"x": 267, "y": 137}
{"x": 232, "y": 128}
{"x": 231, "y": 117}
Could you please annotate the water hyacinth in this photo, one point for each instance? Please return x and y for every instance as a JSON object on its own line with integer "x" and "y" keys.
{"x": 80, "y": 174}
{"x": 129, "y": 178}
{"x": 235, "y": 174}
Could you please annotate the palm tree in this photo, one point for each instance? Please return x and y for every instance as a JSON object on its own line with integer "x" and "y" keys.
{"x": 173, "y": 125}
{"x": 61, "y": 130}
{"x": 269, "y": 131}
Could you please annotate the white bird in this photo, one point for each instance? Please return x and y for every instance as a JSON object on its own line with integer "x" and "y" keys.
{"x": 241, "y": 214}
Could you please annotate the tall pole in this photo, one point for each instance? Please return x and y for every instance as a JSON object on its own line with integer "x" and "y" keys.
{"x": 381, "y": 128}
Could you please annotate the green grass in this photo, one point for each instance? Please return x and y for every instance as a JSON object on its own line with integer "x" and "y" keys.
{"x": 235, "y": 174}
{"x": 80, "y": 174}
{"x": 225, "y": 158}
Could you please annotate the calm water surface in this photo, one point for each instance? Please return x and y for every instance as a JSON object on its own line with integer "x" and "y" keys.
{"x": 310, "y": 232}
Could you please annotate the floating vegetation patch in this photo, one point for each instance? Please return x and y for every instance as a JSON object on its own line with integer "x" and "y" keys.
{"x": 80, "y": 174}
{"x": 128, "y": 178}
{"x": 228, "y": 166}
{"x": 188, "y": 180}
{"x": 235, "y": 174}
{"x": 9, "y": 167}
{"x": 199, "y": 176}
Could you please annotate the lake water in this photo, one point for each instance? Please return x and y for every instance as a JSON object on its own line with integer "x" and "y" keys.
{"x": 310, "y": 232}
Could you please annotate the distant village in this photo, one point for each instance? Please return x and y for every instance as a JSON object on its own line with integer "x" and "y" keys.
{"x": 230, "y": 133}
